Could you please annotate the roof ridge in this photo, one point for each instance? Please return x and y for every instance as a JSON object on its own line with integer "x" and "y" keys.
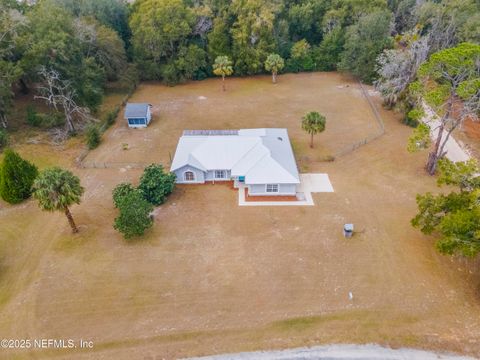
{"x": 278, "y": 164}
{"x": 283, "y": 167}
{"x": 260, "y": 142}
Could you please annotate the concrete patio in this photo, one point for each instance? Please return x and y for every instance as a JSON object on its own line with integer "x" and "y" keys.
{"x": 309, "y": 183}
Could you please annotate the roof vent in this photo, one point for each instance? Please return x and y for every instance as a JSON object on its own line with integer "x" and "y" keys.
{"x": 279, "y": 138}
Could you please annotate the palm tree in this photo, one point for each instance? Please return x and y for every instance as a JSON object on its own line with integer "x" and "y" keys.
{"x": 222, "y": 67}
{"x": 313, "y": 123}
{"x": 56, "y": 189}
{"x": 275, "y": 64}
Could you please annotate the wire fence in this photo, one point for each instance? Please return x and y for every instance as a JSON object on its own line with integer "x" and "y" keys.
{"x": 112, "y": 165}
{"x": 346, "y": 150}
{"x": 381, "y": 128}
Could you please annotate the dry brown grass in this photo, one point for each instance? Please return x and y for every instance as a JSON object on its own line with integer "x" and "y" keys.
{"x": 213, "y": 277}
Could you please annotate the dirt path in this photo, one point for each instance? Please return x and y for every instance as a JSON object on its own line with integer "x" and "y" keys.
{"x": 454, "y": 151}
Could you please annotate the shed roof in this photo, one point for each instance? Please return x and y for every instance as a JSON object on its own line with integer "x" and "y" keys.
{"x": 261, "y": 155}
{"x": 136, "y": 110}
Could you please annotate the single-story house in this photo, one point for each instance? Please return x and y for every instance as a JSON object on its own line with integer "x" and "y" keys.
{"x": 138, "y": 114}
{"x": 261, "y": 160}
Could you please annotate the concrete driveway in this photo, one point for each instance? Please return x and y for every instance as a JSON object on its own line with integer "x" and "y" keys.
{"x": 315, "y": 183}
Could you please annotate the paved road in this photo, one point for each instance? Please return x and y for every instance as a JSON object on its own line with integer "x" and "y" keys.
{"x": 339, "y": 352}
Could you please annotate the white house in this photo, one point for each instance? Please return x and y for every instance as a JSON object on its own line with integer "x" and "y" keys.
{"x": 261, "y": 159}
{"x": 138, "y": 114}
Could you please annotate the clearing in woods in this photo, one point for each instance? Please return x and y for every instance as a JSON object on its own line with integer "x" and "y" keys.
{"x": 213, "y": 277}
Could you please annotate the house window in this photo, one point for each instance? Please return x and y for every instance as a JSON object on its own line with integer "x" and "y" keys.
{"x": 272, "y": 188}
{"x": 136, "y": 121}
{"x": 189, "y": 176}
{"x": 220, "y": 174}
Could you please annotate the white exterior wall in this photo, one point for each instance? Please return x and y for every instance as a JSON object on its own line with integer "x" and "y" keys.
{"x": 148, "y": 118}
{"x": 284, "y": 189}
{"x": 149, "y": 115}
{"x": 199, "y": 175}
{"x": 210, "y": 175}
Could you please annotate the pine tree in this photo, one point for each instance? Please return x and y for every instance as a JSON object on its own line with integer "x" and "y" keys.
{"x": 16, "y": 178}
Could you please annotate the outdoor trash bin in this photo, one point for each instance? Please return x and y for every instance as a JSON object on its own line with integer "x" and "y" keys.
{"x": 348, "y": 230}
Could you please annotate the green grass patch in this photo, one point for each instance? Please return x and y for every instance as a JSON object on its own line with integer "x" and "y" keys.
{"x": 307, "y": 322}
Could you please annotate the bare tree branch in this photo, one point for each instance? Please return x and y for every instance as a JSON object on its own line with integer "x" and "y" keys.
{"x": 59, "y": 95}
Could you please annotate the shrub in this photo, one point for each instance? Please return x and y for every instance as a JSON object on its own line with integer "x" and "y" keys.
{"x": 32, "y": 116}
{"x": 3, "y": 138}
{"x": 45, "y": 121}
{"x": 134, "y": 218}
{"x": 111, "y": 117}
{"x": 16, "y": 178}
{"x": 412, "y": 118}
{"x": 51, "y": 120}
{"x": 120, "y": 192}
{"x": 93, "y": 137}
{"x": 156, "y": 184}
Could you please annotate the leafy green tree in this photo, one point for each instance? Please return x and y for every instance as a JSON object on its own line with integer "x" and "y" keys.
{"x": 160, "y": 28}
{"x": 274, "y": 64}
{"x": 134, "y": 218}
{"x": 301, "y": 57}
{"x": 222, "y": 67}
{"x": 420, "y": 138}
{"x": 156, "y": 185}
{"x": 313, "y": 123}
{"x": 93, "y": 137}
{"x": 103, "y": 45}
{"x": 405, "y": 16}
{"x": 448, "y": 75}
{"x": 16, "y": 177}
{"x": 364, "y": 42}
{"x": 219, "y": 41}
{"x": 327, "y": 55}
{"x": 449, "y": 22}
{"x": 3, "y": 138}
{"x": 12, "y": 25}
{"x": 110, "y": 13}
{"x": 348, "y": 12}
{"x": 252, "y": 34}
{"x": 305, "y": 19}
{"x": 454, "y": 217}
{"x": 56, "y": 189}
{"x": 55, "y": 42}
{"x": 120, "y": 191}
{"x": 191, "y": 63}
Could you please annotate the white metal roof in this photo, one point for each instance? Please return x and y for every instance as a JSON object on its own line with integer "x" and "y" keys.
{"x": 261, "y": 155}
{"x": 136, "y": 110}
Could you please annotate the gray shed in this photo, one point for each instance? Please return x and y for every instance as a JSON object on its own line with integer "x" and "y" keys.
{"x": 138, "y": 114}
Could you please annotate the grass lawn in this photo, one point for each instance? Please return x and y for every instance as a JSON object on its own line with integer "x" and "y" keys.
{"x": 212, "y": 277}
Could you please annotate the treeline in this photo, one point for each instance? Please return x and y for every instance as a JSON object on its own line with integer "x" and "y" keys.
{"x": 75, "y": 47}
{"x": 65, "y": 52}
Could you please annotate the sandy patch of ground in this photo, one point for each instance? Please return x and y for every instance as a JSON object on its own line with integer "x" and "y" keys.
{"x": 212, "y": 277}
